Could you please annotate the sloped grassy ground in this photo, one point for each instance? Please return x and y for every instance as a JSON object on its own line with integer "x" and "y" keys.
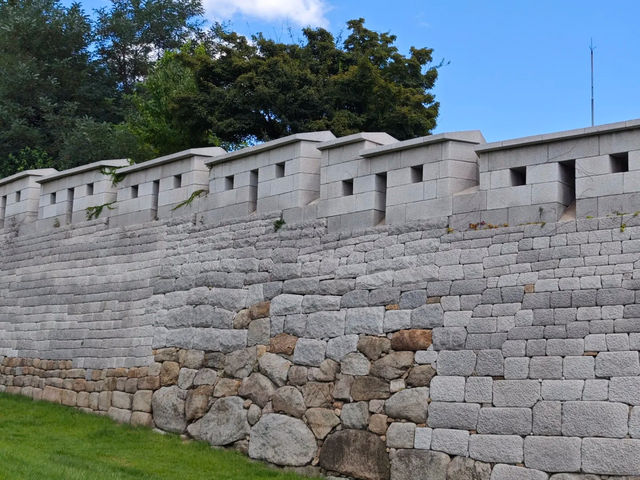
{"x": 43, "y": 441}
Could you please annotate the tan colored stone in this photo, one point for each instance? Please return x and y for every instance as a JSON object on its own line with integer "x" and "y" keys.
{"x": 169, "y": 373}
{"x": 283, "y": 343}
{"x": 149, "y": 383}
{"x": 142, "y": 401}
{"x": 260, "y": 310}
{"x": 104, "y": 401}
{"x": 392, "y": 365}
{"x": 373, "y": 347}
{"x": 142, "y": 419}
{"x": 226, "y": 387}
{"x": 378, "y": 423}
{"x": 242, "y": 319}
{"x": 321, "y": 421}
{"x": 83, "y": 399}
{"x": 197, "y": 402}
{"x": 166, "y": 355}
{"x": 369, "y": 388}
{"x": 413, "y": 340}
{"x": 317, "y": 394}
{"x": 52, "y": 394}
{"x": 69, "y": 397}
{"x": 420, "y": 376}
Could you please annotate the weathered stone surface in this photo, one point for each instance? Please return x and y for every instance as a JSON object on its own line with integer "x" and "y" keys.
{"x": 240, "y": 364}
{"x": 369, "y": 388}
{"x": 309, "y": 352}
{"x": 205, "y": 376}
{"x": 355, "y": 453}
{"x": 185, "y": 379}
{"x": 258, "y": 388}
{"x": 411, "y": 340}
{"x": 373, "y": 347}
{"x": 169, "y": 373}
{"x": 401, "y": 435}
{"x": 553, "y": 454}
{"x": 275, "y": 367}
{"x": 142, "y": 401}
{"x": 197, "y": 402}
{"x": 317, "y": 394}
{"x": 355, "y": 364}
{"x": 610, "y": 456}
{"x": 259, "y": 310}
{"x": 410, "y": 404}
{"x": 283, "y": 343}
{"x": 509, "y": 472}
{"x": 462, "y": 468}
{"x": 595, "y": 419}
{"x": 338, "y": 347}
{"x": 141, "y": 419}
{"x": 496, "y": 448}
{"x": 392, "y": 365}
{"x": 463, "y": 416}
{"x": 168, "y": 409}
{"x": 298, "y": 375}
{"x": 355, "y": 415}
{"x": 282, "y": 440}
{"x": 226, "y": 387}
{"x": 259, "y": 332}
{"x": 253, "y": 414}
{"x": 326, "y": 372}
{"x": 288, "y": 400}
{"x": 224, "y": 423}
{"x": 321, "y": 421}
{"x": 420, "y": 376}
{"x": 406, "y": 464}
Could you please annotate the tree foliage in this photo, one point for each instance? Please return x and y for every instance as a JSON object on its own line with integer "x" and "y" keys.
{"x": 264, "y": 89}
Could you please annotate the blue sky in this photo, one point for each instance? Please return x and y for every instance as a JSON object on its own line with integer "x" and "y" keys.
{"x": 516, "y": 67}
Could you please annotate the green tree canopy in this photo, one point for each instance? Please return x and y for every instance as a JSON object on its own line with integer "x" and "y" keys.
{"x": 263, "y": 89}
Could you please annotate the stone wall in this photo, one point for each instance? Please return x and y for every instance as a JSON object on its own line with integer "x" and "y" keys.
{"x": 487, "y": 353}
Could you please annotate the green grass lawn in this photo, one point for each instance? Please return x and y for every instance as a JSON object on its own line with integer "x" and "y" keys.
{"x": 42, "y": 441}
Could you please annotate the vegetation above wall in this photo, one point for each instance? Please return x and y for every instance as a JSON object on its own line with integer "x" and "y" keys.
{"x": 146, "y": 78}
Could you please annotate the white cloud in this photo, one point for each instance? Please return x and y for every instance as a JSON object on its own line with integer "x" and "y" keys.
{"x": 301, "y": 12}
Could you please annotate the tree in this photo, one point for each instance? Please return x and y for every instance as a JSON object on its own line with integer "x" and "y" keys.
{"x": 132, "y": 34}
{"x": 47, "y": 80}
{"x": 262, "y": 89}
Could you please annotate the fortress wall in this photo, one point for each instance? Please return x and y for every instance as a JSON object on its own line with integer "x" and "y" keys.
{"x": 505, "y": 352}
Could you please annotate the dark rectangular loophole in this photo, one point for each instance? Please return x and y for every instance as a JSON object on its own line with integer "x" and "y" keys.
{"x": 518, "y": 176}
{"x": 134, "y": 191}
{"x": 177, "y": 181}
{"x": 347, "y": 188}
{"x": 416, "y": 174}
{"x": 619, "y": 162}
{"x": 89, "y": 188}
{"x": 280, "y": 170}
{"x": 18, "y": 196}
{"x": 228, "y": 182}
{"x": 52, "y": 198}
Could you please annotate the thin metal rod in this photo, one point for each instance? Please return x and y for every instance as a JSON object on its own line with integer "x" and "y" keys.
{"x": 592, "y": 103}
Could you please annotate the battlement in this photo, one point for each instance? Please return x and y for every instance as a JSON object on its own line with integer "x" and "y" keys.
{"x": 353, "y": 182}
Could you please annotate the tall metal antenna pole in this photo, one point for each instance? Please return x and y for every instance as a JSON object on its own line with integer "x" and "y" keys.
{"x": 591, "y": 47}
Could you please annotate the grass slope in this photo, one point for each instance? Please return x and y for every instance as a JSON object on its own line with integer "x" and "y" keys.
{"x": 43, "y": 441}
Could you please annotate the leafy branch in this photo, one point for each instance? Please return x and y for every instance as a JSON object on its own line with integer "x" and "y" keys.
{"x": 189, "y": 201}
{"x": 94, "y": 212}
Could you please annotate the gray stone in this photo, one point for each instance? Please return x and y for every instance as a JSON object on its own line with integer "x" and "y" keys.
{"x": 625, "y": 389}
{"x": 168, "y": 409}
{"x": 505, "y": 421}
{"x": 275, "y": 367}
{"x": 579, "y": 367}
{"x": 410, "y": 404}
{"x": 453, "y": 442}
{"x": 509, "y": 472}
{"x": 355, "y": 415}
{"x": 447, "y": 389}
{"x": 496, "y": 448}
{"x": 547, "y": 418}
{"x": 490, "y": 363}
{"x": 392, "y": 365}
{"x": 479, "y": 390}
{"x": 516, "y": 393}
{"x": 282, "y": 440}
{"x": 634, "y": 422}
{"x": 449, "y": 338}
{"x": 240, "y": 364}
{"x": 286, "y": 304}
{"x": 309, "y": 352}
{"x": 355, "y": 364}
{"x": 368, "y": 320}
{"x": 205, "y": 376}
{"x": 355, "y": 453}
{"x": 225, "y": 423}
{"x": 611, "y": 456}
{"x": 553, "y": 454}
{"x": 431, "y": 465}
{"x": 258, "y": 388}
{"x": 323, "y": 325}
{"x": 427, "y": 316}
{"x": 401, "y": 435}
{"x": 338, "y": 347}
{"x": 259, "y": 332}
{"x": 288, "y": 400}
{"x": 463, "y": 416}
{"x": 595, "y": 419}
{"x": 617, "y": 364}
{"x": 423, "y": 438}
{"x": 326, "y": 372}
{"x": 456, "y": 363}
{"x": 562, "y": 389}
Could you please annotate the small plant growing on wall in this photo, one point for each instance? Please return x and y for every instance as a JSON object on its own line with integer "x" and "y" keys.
{"x": 94, "y": 212}
{"x": 277, "y": 225}
{"x": 189, "y": 201}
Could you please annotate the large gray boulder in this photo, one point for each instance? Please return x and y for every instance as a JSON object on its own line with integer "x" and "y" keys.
{"x": 225, "y": 423}
{"x": 410, "y": 404}
{"x": 168, "y": 409}
{"x": 282, "y": 440}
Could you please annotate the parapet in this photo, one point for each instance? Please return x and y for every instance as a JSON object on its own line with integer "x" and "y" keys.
{"x": 66, "y": 196}
{"x": 19, "y": 197}
{"x": 372, "y": 178}
{"x": 153, "y": 189}
{"x": 280, "y": 175}
{"x": 353, "y": 182}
